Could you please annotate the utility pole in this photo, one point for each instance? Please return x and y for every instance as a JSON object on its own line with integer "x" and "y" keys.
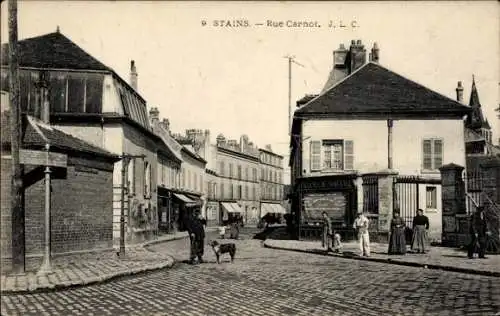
{"x": 291, "y": 59}
{"x": 17, "y": 207}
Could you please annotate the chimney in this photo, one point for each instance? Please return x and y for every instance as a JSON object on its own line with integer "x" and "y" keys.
{"x": 357, "y": 55}
{"x": 133, "y": 75}
{"x": 374, "y": 55}
{"x": 165, "y": 124}
{"x": 460, "y": 92}
{"x": 268, "y": 148}
{"x": 154, "y": 115}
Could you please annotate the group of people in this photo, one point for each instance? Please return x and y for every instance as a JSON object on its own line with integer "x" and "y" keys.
{"x": 331, "y": 240}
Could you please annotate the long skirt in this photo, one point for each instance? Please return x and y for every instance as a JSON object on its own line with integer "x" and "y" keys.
{"x": 197, "y": 247}
{"x": 397, "y": 242}
{"x": 419, "y": 239}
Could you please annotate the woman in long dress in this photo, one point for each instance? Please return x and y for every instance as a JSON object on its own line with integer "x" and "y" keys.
{"x": 397, "y": 241}
{"x": 420, "y": 227}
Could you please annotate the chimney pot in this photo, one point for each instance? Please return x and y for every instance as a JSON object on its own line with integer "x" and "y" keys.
{"x": 359, "y": 42}
{"x": 341, "y": 46}
{"x": 353, "y": 42}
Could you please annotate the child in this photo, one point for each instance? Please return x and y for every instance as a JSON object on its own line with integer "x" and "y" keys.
{"x": 337, "y": 243}
{"x": 222, "y": 231}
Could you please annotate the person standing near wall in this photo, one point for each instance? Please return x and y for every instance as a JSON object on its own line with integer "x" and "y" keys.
{"x": 361, "y": 224}
{"x": 397, "y": 241}
{"x": 420, "y": 228}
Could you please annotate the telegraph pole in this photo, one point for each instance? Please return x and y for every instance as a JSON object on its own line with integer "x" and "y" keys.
{"x": 291, "y": 59}
{"x": 17, "y": 207}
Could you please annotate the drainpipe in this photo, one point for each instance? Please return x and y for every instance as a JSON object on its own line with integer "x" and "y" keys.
{"x": 389, "y": 143}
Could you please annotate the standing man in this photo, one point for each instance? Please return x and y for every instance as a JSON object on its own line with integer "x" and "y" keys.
{"x": 478, "y": 231}
{"x": 327, "y": 240}
{"x": 197, "y": 238}
{"x": 361, "y": 226}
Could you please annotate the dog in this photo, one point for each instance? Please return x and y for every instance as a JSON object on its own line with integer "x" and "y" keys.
{"x": 220, "y": 249}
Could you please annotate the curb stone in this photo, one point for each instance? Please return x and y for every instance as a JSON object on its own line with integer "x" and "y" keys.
{"x": 65, "y": 285}
{"x": 393, "y": 261}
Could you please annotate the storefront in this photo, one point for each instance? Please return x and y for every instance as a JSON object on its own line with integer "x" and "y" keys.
{"x": 184, "y": 205}
{"x": 272, "y": 212}
{"x": 230, "y": 212}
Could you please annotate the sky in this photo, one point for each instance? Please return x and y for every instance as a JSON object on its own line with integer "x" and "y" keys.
{"x": 234, "y": 80}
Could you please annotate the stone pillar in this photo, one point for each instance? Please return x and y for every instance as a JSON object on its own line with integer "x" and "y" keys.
{"x": 454, "y": 208}
{"x": 385, "y": 202}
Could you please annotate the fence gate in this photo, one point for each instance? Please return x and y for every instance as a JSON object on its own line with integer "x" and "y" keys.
{"x": 407, "y": 196}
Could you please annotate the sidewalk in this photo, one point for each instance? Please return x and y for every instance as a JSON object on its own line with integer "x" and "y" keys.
{"x": 93, "y": 267}
{"x": 449, "y": 259}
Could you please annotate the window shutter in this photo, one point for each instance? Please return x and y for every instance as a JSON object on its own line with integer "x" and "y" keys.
{"x": 427, "y": 154}
{"x": 438, "y": 153}
{"x": 349, "y": 155}
{"x": 315, "y": 155}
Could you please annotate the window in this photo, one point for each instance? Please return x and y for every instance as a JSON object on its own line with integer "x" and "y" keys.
{"x": 221, "y": 191}
{"x": 254, "y": 193}
{"x": 239, "y": 172}
{"x": 231, "y": 191}
{"x": 221, "y": 168}
{"x": 247, "y": 175}
{"x": 76, "y": 93}
{"x": 254, "y": 171}
{"x": 432, "y": 153}
{"x": 262, "y": 174}
{"x": 431, "y": 197}
{"x": 334, "y": 155}
{"x": 231, "y": 170}
{"x": 240, "y": 192}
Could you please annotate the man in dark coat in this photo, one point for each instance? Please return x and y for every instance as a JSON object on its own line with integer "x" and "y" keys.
{"x": 197, "y": 238}
{"x": 478, "y": 231}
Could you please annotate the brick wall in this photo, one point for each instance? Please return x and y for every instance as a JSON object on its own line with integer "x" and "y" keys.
{"x": 81, "y": 210}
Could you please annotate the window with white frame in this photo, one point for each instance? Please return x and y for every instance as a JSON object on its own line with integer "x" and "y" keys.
{"x": 432, "y": 153}
{"x": 431, "y": 197}
{"x": 332, "y": 155}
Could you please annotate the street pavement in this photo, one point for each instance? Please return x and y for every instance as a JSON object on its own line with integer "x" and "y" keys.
{"x": 263, "y": 281}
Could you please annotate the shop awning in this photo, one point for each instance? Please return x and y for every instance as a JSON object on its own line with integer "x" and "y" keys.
{"x": 270, "y": 208}
{"x": 231, "y": 207}
{"x": 183, "y": 198}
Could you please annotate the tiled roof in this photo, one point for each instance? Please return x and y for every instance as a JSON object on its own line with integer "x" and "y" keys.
{"x": 53, "y": 50}
{"x": 374, "y": 89}
{"x": 37, "y": 134}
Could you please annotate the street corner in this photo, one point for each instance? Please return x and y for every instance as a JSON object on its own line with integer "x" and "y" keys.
{"x": 64, "y": 276}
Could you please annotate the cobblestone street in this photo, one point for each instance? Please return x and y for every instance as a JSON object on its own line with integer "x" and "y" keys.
{"x": 271, "y": 282}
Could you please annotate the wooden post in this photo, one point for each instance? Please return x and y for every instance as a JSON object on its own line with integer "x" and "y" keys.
{"x": 46, "y": 264}
{"x": 18, "y": 234}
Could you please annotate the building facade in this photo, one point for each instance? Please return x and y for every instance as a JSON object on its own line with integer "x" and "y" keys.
{"x": 239, "y": 190}
{"x": 92, "y": 102}
{"x": 367, "y": 143}
{"x": 271, "y": 183}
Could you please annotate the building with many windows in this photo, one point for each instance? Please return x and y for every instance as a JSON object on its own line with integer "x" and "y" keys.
{"x": 271, "y": 182}
{"x": 237, "y": 168}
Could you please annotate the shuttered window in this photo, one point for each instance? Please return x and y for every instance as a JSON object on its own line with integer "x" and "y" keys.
{"x": 432, "y": 153}
{"x": 315, "y": 155}
{"x": 348, "y": 155}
